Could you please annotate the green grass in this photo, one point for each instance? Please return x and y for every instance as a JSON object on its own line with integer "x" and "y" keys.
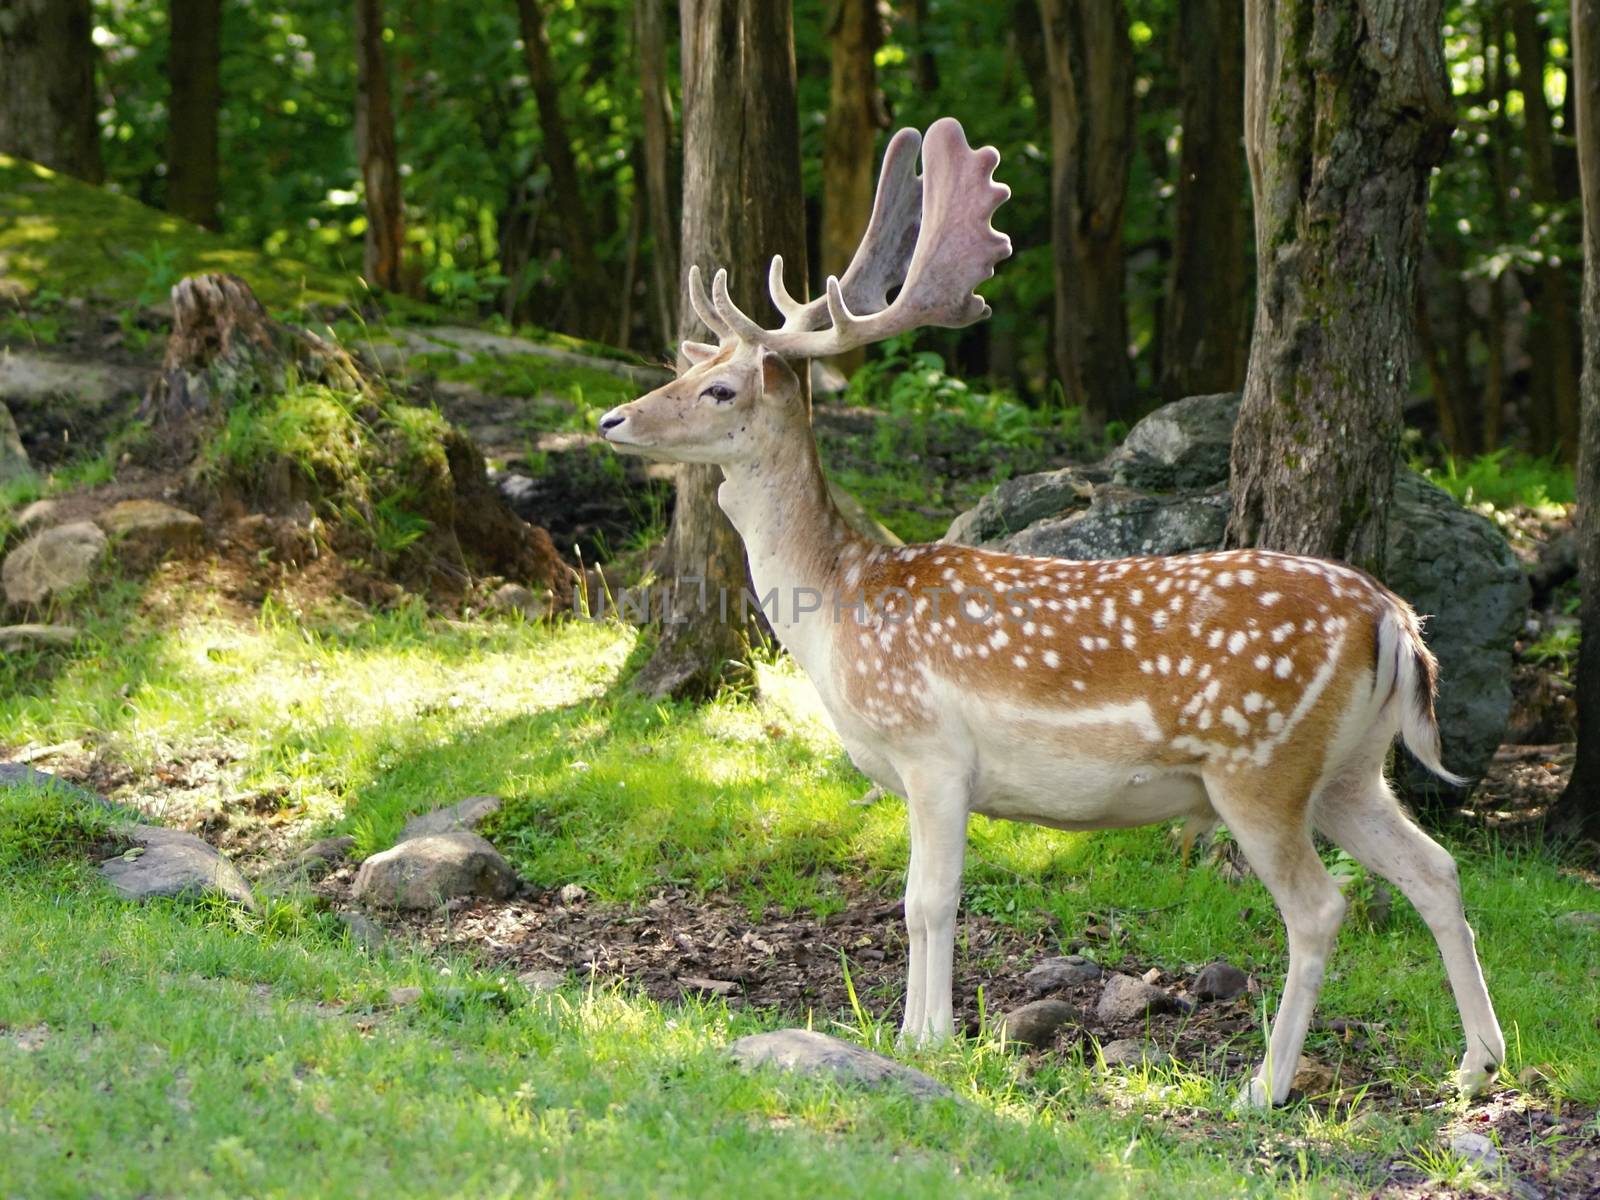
{"x": 201, "y": 1052}
{"x": 1506, "y": 479}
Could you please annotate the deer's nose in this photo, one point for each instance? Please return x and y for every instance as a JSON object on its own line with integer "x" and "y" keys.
{"x": 610, "y": 421}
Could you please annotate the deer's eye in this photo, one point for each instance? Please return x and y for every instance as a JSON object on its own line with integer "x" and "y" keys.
{"x": 720, "y": 392}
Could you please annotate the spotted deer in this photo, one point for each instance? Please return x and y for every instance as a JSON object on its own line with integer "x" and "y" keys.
{"x": 1261, "y": 689}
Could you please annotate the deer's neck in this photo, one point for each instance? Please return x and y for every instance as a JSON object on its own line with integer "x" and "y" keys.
{"x": 797, "y": 541}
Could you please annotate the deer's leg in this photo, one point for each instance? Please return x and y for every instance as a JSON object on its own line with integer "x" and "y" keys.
{"x": 1276, "y": 839}
{"x": 1367, "y": 821}
{"x": 937, "y": 805}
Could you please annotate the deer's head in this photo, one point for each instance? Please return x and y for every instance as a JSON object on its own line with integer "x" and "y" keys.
{"x": 929, "y": 237}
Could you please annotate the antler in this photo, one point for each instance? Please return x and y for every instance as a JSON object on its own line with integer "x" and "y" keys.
{"x": 929, "y": 234}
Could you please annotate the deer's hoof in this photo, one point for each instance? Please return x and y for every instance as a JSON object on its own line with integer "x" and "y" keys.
{"x": 1476, "y": 1075}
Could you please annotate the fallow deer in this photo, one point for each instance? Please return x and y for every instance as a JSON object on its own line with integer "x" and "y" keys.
{"x": 1261, "y": 689}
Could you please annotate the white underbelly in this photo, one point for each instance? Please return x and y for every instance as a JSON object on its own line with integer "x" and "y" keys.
{"x": 1078, "y": 792}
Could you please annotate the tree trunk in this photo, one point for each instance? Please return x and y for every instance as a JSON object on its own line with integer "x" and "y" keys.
{"x": 1346, "y": 110}
{"x": 855, "y": 114}
{"x": 590, "y": 298}
{"x": 193, "y": 79}
{"x": 1494, "y": 368}
{"x": 1577, "y": 813}
{"x": 1553, "y": 333}
{"x": 1206, "y": 323}
{"x": 375, "y": 150}
{"x": 661, "y": 185}
{"x": 47, "y": 96}
{"x": 1091, "y": 142}
{"x": 741, "y": 204}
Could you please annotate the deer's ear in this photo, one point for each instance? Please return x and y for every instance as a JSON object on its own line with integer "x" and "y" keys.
{"x": 778, "y": 379}
{"x": 696, "y": 353}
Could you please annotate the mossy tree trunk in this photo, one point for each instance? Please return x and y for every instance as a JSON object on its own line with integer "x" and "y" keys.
{"x": 47, "y": 93}
{"x": 1205, "y": 331}
{"x": 660, "y": 180}
{"x": 375, "y": 150}
{"x": 1091, "y": 145}
{"x": 194, "y": 85}
{"x": 1578, "y": 811}
{"x": 741, "y": 204}
{"x": 856, "y": 113}
{"x": 1346, "y": 110}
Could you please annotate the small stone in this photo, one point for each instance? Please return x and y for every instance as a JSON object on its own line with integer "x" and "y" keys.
{"x": 147, "y": 531}
{"x": 1536, "y": 1077}
{"x": 1219, "y": 981}
{"x": 810, "y": 1053}
{"x": 363, "y": 931}
{"x": 38, "y": 515}
{"x": 571, "y": 893}
{"x": 1036, "y": 1024}
{"x": 174, "y": 865}
{"x": 1128, "y": 999}
{"x": 1131, "y": 1052}
{"x": 399, "y": 997}
{"x": 466, "y": 815}
{"x": 1590, "y": 920}
{"x": 1052, "y": 974}
{"x": 426, "y": 872}
{"x": 1152, "y": 976}
{"x": 716, "y": 987}
{"x": 542, "y": 981}
{"x": 1313, "y": 1078}
{"x": 515, "y": 598}
{"x": 17, "y": 638}
{"x": 1476, "y": 1149}
{"x": 53, "y": 561}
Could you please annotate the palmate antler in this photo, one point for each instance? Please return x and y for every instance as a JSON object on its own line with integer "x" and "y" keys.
{"x": 929, "y": 234}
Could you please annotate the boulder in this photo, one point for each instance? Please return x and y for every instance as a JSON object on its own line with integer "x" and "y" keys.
{"x": 1126, "y": 998}
{"x": 424, "y": 872}
{"x": 1035, "y": 1024}
{"x": 14, "y": 462}
{"x": 21, "y": 775}
{"x": 1164, "y": 491}
{"x": 53, "y": 561}
{"x": 1053, "y": 974}
{"x": 466, "y": 815}
{"x": 147, "y": 531}
{"x": 810, "y": 1053}
{"x": 171, "y": 863}
{"x": 1131, "y": 1052}
{"x": 1219, "y": 981}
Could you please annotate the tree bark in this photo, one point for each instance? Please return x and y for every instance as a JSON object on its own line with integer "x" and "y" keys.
{"x": 1494, "y": 368}
{"x": 193, "y": 74}
{"x": 856, "y": 113}
{"x": 1206, "y": 332}
{"x": 590, "y": 305}
{"x": 1577, "y": 813}
{"x": 1346, "y": 110}
{"x": 660, "y": 177}
{"x": 1553, "y": 333}
{"x": 47, "y": 96}
{"x": 742, "y": 203}
{"x": 375, "y": 150}
{"x": 1091, "y": 142}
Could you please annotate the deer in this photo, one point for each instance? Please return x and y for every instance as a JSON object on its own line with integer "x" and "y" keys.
{"x": 1259, "y": 689}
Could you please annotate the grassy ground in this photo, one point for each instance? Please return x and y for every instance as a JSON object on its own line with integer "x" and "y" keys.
{"x": 163, "y": 1051}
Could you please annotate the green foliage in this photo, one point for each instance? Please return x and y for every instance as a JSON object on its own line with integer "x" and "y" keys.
{"x": 1506, "y": 479}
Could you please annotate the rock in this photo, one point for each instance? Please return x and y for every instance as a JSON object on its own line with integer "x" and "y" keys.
{"x": 1131, "y": 1052}
{"x": 810, "y": 1053}
{"x": 466, "y": 815}
{"x": 20, "y": 775}
{"x": 1476, "y": 1149}
{"x": 37, "y": 637}
{"x": 38, "y": 515}
{"x": 41, "y": 385}
{"x": 1164, "y": 491}
{"x": 468, "y": 343}
{"x": 711, "y": 987}
{"x": 363, "y": 931}
{"x": 1128, "y": 999}
{"x": 542, "y": 981}
{"x": 515, "y": 598}
{"x": 571, "y": 893}
{"x": 1219, "y": 981}
{"x": 52, "y": 561}
{"x": 1313, "y": 1078}
{"x": 14, "y": 462}
{"x": 1035, "y": 1024}
{"x": 1581, "y": 920}
{"x": 425, "y": 872}
{"x": 316, "y": 860}
{"x": 171, "y": 863}
{"x": 1052, "y": 974}
{"x": 399, "y": 997}
{"x": 1536, "y": 1077}
{"x": 147, "y": 531}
